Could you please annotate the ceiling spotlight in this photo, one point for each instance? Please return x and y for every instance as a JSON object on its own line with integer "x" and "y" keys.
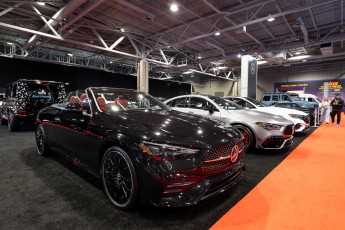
{"x": 69, "y": 54}
{"x": 217, "y": 33}
{"x": 10, "y": 43}
{"x": 239, "y": 55}
{"x": 174, "y": 7}
{"x": 270, "y": 19}
{"x": 122, "y": 30}
{"x": 41, "y": 3}
{"x": 199, "y": 57}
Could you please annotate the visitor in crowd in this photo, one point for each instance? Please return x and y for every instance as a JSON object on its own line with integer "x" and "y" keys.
{"x": 337, "y": 106}
{"x": 325, "y": 110}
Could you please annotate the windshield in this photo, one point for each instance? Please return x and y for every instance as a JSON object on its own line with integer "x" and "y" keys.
{"x": 115, "y": 100}
{"x": 255, "y": 102}
{"x": 225, "y": 104}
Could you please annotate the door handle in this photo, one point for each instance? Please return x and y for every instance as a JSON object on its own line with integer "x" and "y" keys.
{"x": 57, "y": 119}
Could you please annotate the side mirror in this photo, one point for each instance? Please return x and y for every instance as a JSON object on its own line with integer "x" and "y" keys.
{"x": 210, "y": 108}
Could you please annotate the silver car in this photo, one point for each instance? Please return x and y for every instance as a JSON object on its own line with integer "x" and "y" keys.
{"x": 260, "y": 129}
{"x": 300, "y": 119}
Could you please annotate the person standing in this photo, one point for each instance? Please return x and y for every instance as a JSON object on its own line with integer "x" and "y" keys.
{"x": 325, "y": 110}
{"x": 337, "y": 106}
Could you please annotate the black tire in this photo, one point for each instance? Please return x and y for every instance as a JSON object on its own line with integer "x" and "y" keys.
{"x": 42, "y": 148}
{"x": 248, "y": 136}
{"x": 12, "y": 123}
{"x": 119, "y": 178}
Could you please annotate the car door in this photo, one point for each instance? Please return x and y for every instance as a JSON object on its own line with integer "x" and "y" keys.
{"x": 77, "y": 140}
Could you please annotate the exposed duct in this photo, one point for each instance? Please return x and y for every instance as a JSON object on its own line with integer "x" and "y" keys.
{"x": 300, "y": 24}
{"x": 148, "y": 14}
{"x": 64, "y": 12}
{"x": 275, "y": 57}
{"x": 326, "y": 49}
{"x": 215, "y": 46}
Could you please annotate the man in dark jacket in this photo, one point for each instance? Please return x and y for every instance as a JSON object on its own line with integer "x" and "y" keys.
{"x": 337, "y": 106}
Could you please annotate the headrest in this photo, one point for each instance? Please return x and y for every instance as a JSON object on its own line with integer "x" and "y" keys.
{"x": 83, "y": 97}
{"x": 101, "y": 103}
{"x": 74, "y": 100}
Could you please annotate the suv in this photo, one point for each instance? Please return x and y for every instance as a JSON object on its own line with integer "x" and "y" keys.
{"x": 310, "y": 97}
{"x": 272, "y": 98}
{"x": 25, "y": 98}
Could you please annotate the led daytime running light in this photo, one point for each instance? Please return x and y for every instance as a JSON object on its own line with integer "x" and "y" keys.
{"x": 269, "y": 126}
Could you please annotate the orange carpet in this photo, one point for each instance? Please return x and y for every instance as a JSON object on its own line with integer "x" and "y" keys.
{"x": 306, "y": 191}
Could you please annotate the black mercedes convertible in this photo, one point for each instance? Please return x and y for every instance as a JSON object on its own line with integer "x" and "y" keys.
{"x": 140, "y": 148}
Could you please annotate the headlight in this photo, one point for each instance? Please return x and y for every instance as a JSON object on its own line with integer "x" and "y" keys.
{"x": 297, "y": 116}
{"x": 269, "y": 126}
{"x": 160, "y": 151}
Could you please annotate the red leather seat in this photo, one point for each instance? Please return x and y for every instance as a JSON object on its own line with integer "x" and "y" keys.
{"x": 123, "y": 102}
{"x": 83, "y": 97}
{"x": 101, "y": 103}
{"x": 74, "y": 100}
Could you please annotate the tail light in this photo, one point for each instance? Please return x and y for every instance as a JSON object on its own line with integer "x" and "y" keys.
{"x": 21, "y": 113}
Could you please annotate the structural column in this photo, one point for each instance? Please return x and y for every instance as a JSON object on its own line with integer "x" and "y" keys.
{"x": 325, "y": 90}
{"x": 143, "y": 76}
{"x": 249, "y": 73}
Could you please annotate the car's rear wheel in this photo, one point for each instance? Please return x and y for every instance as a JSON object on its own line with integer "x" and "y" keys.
{"x": 119, "y": 178}
{"x": 42, "y": 148}
{"x": 248, "y": 136}
{"x": 12, "y": 123}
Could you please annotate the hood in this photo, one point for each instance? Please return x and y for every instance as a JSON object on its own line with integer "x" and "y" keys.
{"x": 252, "y": 116}
{"x": 175, "y": 128}
{"x": 278, "y": 110}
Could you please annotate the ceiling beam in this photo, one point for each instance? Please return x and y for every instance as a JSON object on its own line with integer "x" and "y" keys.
{"x": 284, "y": 13}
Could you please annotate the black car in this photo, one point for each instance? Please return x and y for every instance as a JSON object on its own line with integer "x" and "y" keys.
{"x": 24, "y": 98}
{"x": 141, "y": 149}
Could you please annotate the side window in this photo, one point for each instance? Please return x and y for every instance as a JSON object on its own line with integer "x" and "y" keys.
{"x": 266, "y": 98}
{"x": 285, "y": 98}
{"x": 293, "y": 105}
{"x": 179, "y": 102}
{"x": 311, "y": 100}
{"x": 197, "y": 103}
{"x": 274, "y": 97}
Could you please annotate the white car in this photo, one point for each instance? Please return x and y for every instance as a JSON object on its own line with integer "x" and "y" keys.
{"x": 261, "y": 130}
{"x": 300, "y": 119}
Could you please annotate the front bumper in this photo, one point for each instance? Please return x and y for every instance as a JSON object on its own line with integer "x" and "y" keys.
{"x": 205, "y": 188}
{"x": 277, "y": 142}
{"x": 301, "y": 127}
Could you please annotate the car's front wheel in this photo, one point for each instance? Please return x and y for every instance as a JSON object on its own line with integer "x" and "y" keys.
{"x": 248, "y": 135}
{"x": 42, "y": 148}
{"x": 119, "y": 178}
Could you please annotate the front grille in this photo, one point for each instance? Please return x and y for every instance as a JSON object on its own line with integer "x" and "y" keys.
{"x": 219, "y": 158}
{"x": 288, "y": 130}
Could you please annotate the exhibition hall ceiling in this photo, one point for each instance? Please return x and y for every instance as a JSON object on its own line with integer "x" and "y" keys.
{"x": 196, "y": 41}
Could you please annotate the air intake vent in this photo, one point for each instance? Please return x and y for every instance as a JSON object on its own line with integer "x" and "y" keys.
{"x": 326, "y": 49}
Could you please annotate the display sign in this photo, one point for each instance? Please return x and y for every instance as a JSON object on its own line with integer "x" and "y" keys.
{"x": 313, "y": 87}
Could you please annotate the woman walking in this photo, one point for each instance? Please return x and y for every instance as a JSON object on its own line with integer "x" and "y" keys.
{"x": 325, "y": 110}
